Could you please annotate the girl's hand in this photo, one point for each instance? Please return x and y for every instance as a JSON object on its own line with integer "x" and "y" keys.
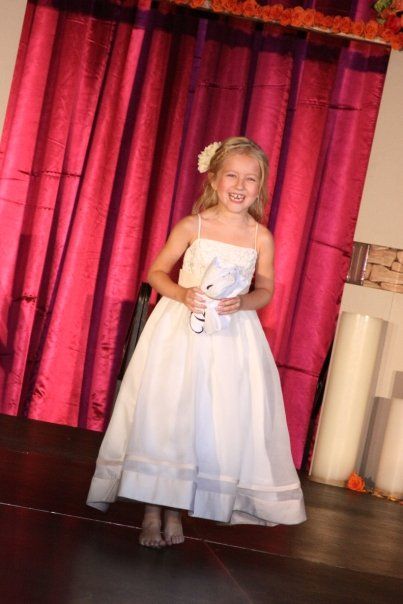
{"x": 194, "y": 299}
{"x": 227, "y": 306}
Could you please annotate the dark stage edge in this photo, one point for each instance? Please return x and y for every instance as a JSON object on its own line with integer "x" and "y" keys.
{"x": 56, "y": 550}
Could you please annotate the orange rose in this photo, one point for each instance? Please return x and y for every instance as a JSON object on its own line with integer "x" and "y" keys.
{"x": 319, "y": 19}
{"x": 237, "y": 8}
{"x": 233, "y": 6}
{"x": 345, "y": 26}
{"x": 356, "y": 483}
{"x": 336, "y": 25}
{"x": 226, "y": 5}
{"x": 385, "y": 13}
{"x": 386, "y": 34}
{"x": 371, "y": 29}
{"x": 357, "y": 28}
{"x": 393, "y": 23}
{"x": 216, "y": 5}
{"x": 249, "y": 8}
{"x": 258, "y": 11}
{"x": 297, "y": 16}
{"x": 276, "y": 11}
{"x": 285, "y": 17}
{"x": 309, "y": 17}
{"x": 266, "y": 13}
{"x": 196, "y": 3}
{"x": 396, "y": 42}
{"x": 328, "y": 22}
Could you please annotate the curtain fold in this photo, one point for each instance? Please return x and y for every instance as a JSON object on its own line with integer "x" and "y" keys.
{"x": 110, "y": 105}
{"x": 94, "y": 143}
{"x": 330, "y": 133}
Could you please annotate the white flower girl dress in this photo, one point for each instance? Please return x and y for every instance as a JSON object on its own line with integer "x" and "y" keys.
{"x": 199, "y": 421}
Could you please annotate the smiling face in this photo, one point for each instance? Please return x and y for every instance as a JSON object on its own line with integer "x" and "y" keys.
{"x": 237, "y": 182}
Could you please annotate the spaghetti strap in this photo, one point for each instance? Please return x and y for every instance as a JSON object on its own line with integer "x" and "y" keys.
{"x": 199, "y": 231}
{"x": 257, "y": 226}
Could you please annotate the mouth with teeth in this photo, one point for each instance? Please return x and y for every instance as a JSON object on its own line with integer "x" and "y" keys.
{"x": 236, "y": 197}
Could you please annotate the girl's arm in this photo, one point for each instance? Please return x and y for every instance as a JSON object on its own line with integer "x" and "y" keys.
{"x": 264, "y": 280}
{"x": 158, "y": 275}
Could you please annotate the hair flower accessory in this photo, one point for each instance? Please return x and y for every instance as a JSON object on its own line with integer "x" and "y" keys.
{"x": 204, "y": 158}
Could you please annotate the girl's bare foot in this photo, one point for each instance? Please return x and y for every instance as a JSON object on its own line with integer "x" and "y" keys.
{"x": 150, "y": 535}
{"x": 173, "y": 531}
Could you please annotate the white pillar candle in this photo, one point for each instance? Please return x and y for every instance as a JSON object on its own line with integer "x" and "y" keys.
{"x": 389, "y": 477}
{"x": 346, "y": 398}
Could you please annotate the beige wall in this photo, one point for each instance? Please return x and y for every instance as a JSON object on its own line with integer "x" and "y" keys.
{"x": 11, "y": 18}
{"x": 380, "y": 221}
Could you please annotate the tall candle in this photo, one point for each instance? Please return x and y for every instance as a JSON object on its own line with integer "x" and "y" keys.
{"x": 389, "y": 477}
{"x": 346, "y": 398}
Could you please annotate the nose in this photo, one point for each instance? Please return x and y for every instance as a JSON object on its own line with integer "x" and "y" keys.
{"x": 239, "y": 183}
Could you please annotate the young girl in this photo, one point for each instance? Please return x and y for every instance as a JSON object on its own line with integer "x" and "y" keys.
{"x": 199, "y": 422}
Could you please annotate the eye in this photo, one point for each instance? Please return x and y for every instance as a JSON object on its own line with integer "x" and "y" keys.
{"x": 252, "y": 179}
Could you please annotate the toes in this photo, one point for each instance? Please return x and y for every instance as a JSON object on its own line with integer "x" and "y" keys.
{"x": 173, "y": 532}
{"x": 153, "y": 542}
{"x": 174, "y": 539}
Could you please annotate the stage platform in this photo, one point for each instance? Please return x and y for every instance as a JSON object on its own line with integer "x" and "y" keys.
{"x": 56, "y": 550}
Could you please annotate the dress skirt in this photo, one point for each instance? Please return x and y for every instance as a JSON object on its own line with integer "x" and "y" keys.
{"x": 199, "y": 424}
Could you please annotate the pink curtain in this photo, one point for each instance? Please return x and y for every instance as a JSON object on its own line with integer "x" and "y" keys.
{"x": 110, "y": 105}
{"x": 89, "y": 154}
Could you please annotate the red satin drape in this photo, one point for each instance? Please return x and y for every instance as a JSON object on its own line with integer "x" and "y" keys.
{"x": 89, "y": 154}
{"x": 110, "y": 105}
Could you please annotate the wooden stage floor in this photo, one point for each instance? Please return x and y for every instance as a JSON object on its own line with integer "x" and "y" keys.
{"x": 56, "y": 550}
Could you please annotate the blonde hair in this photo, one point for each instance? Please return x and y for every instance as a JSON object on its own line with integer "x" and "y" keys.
{"x": 231, "y": 146}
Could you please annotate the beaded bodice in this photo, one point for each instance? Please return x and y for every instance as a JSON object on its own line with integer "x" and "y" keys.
{"x": 202, "y": 251}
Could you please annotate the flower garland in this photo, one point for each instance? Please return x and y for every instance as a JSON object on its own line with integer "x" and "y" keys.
{"x": 390, "y": 14}
{"x": 384, "y": 29}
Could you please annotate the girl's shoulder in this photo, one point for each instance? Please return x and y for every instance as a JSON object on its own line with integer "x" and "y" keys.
{"x": 264, "y": 238}
{"x": 185, "y": 229}
{"x": 264, "y": 232}
{"x": 188, "y": 223}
